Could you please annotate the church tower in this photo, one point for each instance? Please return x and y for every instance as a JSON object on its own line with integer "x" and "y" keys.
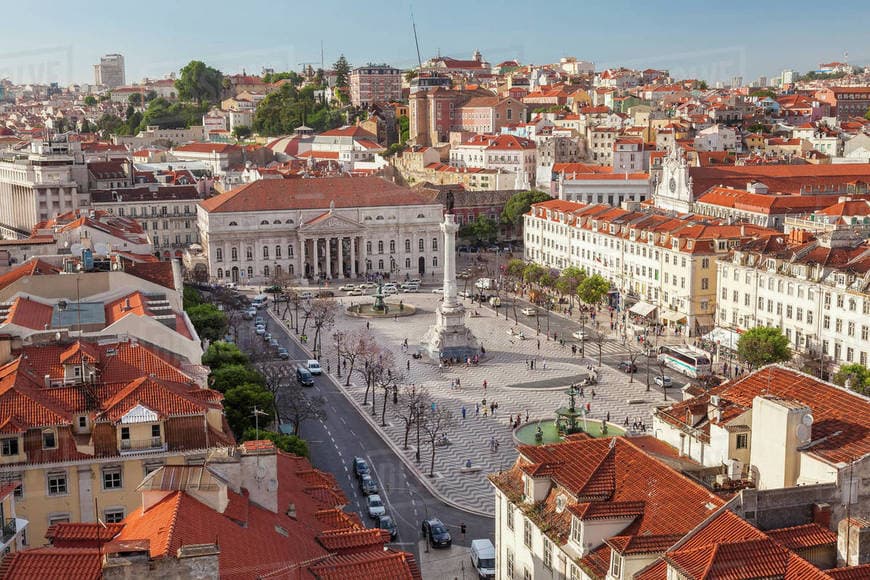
{"x": 674, "y": 190}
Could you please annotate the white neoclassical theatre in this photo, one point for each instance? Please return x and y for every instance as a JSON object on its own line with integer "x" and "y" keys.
{"x": 320, "y": 229}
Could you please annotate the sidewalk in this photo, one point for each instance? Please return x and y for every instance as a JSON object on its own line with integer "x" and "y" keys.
{"x": 505, "y": 366}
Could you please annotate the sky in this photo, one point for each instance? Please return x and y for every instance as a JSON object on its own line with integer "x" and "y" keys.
{"x": 712, "y": 41}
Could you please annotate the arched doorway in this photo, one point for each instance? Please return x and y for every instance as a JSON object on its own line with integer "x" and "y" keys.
{"x": 235, "y": 274}
{"x": 421, "y": 265}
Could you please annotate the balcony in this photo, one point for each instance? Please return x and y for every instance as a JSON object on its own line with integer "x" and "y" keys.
{"x": 151, "y": 445}
{"x": 12, "y": 527}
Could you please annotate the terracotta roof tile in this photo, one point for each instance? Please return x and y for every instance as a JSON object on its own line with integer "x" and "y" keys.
{"x": 67, "y": 563}
{"x": 802, "y": 537}
{"x": 81, "y": 535}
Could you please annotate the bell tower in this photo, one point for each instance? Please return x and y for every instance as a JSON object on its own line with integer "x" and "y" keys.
{"x": 674, "y": 190}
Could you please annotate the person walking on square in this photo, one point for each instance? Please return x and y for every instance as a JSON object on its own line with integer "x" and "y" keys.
{"x": 484, "y": 386}
{"x": 463, "y": 411}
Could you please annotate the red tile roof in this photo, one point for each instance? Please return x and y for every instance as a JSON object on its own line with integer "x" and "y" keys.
{"x": 29, "y": 313}
{"x": 802, "y": 537}
{"x": 782, "y": 178}
{"x": 283, "y": 194}
{"x": 81, "y": 535}
{"x": 762, "y": 558}
{"x": 67, "y": 563}
{"x": 33, "y": 267}
{"x": 219, "y": 148}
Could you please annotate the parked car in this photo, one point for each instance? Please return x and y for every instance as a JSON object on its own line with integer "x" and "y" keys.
{"x": 627, "y": 367}
{"x": 412, "y": 288}
{"x": 314, "y": 367}
{"x": 437, "y": 533}
{"x": 375, "y": 506}
{"x": 267, "y": 337}
{"x": 390, "y": 290}
{"x": 259, "y": 329}
{"x": 416, "y": 281}
{"x": 367, "y": 485}
{"x": 304, "y": 378}
{"x": 355, "y": 292}
{"x": 260, "y": 321}
{"x": 438, "y": 290}
{"x": 305, "y": 295}
{"x": 664, "y": 381}
{"x": 274, "y": 343}
{"x": 387, "y": 523}
{"x": 483, "y": 558}
{"x": 347, "y": 287}
{"x": 283, "y": 353}
{"x": 528, "y": 311}
{"x": 580, "y": 335}
{"x": 360, "y": 467}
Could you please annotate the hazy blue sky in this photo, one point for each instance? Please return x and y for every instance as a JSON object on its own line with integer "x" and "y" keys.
{"x": 61, "y": 40}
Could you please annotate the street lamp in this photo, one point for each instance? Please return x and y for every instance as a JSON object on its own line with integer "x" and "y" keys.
{"x": 338, "y": 336}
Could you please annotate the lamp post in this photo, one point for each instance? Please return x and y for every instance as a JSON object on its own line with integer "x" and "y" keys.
{"x": 338, "y": 336}
{"x": 418, "y": 410}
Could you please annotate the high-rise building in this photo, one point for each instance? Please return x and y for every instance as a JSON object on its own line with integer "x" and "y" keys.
{"x": 736, "y": 82}
{"x": 788, "y": 76}
{"x": 110, "y": 72}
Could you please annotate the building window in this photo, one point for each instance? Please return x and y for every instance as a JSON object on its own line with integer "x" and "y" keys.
{"x": 55, "y": 519}
{"x": 112, "y": 478}
{"x": 249, "y": 254}
{"x": 10, "y": 446}
{"x": 548, "y": 554}
{"x": 742, "y": 441}
{"x": 155, "y": 430}
{"x": 234, "y": 254}
{"x": 266, "y": 271}
{"x": 407, "y": 263}
{"x": 509, "y": 515}
{"x": 48, "y": 439}
{"x": 57, "y": 483}
{"x": 392, "y": 246}
{"x": 509, "y": 563}
{"x": 705, "y": 283}
{"x": 615, "y": 564}
{"x": 277, "y": 252}
{"x": 575, "y": 572}
{"x": 527, "y": 533}
{"x": 407, "y": 246}
{"x": 380, "y": 265}
{"x": 250, "y": 271}
{"x": 380, "y": 246}
{"x": 420, "y": 245}
{"x": 290, "y": 251}
{"x": 434, "y": 244}
{"x": 113, "y": 516}
{"x": 435, "y": 261}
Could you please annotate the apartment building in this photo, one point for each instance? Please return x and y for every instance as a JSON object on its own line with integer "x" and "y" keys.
{"x": 504, "y": 153}
{"x": 815, "y": 291}
{"x": 667, "y": 263}
{"x": 110, "y": 72}
{"x": 166, "y": 212}
{"x": 35, "y": 186}
{"x": 593, "y": 184}
{"x": 86, "y": 421}
{"x": 375, "y": 84}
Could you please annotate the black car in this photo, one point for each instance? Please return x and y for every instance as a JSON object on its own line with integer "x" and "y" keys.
{"x": 360, "y": 467}
{"x": 437, "y": 533}
{"x": 304, "y": 378}
{"x": 627, "y": 367}
{"x": 387, "y": 523}
{"x": 367, "y": 485}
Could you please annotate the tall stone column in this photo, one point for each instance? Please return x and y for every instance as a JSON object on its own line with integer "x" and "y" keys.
{"x": 353, "y": 273}
{"x": 316, "y": 268}
{"x": 341, "y": 257}
{"x": 301, "y": 257}
{"x": 328, "y": 242}
{"x": 449, "y": 228}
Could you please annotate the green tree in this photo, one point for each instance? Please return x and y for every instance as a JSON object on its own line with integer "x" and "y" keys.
{"x": 854, "y": 376}
{"x": 515, "y": 267}
{"x": 87, "y": 127}
{"x": 532, "y": 273}
{"x": 241, "y": 132}
{"x": 288, "y": 107}
{"x": 226, "y": 377}
{"x": 222, "y": 353}
{"x": 867, "y": 114}
{"x": 593, "y": 289}
{"x": 756, "y": 128}
{"x": 411, "y": 74}
{"x": 763, "y": 345}
{"x": 135, "y": 99}
{"x": 199, "y": 82}
{"x": 109, "y": 124}
{"x": 342, "y": 72}
{"x": 209, "y": 322}
{"x": 166, "y": 115}
{"x": 519, "y": 204}
{"x": 289, "y": 443}
{"x": 482, "y": 230}
{"x": 90, "y": 101}
{"x": 190, "y": 297}
{"x": 568, "y": 280}
{"x": 762, "y": 93}
{"x": 239, "y": 404}
{"x": 404, "y": 125}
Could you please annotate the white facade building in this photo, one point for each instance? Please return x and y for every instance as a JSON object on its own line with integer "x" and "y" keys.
{"x": 312, "y": 229}
{"x": 110, "y": 72}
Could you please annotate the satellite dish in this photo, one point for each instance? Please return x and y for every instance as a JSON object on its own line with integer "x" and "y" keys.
{"x": 76, "y": 249}
{"x": 807, "y": 420}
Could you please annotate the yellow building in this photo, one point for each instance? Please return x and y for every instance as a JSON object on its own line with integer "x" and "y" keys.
{"x": 83, "y": 423}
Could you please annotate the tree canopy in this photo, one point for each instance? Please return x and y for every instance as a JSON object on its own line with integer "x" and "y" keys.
{"x": 239, "y": 403}
{"x": 209, "y": 322}
{"x": 90, "y": 100}
{"x": 226, "y": 377}
{"x": 292, "y": 76}
{"x": 483, "y": 230}
{"x": 342, "y": 72}
{"x": 288, "y": 107}
{"x": 289, "y": 443}
{"x": 199, "y": 82}
{"x": 763, "y": 345}
{"x": 241, "y": 131}
{"x": 593, "y": 289}
{"x": 854, "y": 376}
{"x": 519, "y": 204}
{"x": 221, "y": 353}
{"x": 176, "y": 115}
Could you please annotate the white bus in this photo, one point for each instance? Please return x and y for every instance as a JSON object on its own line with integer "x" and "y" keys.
{"x": 689, "y": 362}
{"x": 260, "y": 301}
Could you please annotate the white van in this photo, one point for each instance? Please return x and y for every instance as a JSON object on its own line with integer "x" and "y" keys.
{"x": 483, "y": 558}
{"x": 260, "y": 301}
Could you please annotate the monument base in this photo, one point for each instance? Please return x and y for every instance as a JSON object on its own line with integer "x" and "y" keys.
{"x": 449, "y": 338}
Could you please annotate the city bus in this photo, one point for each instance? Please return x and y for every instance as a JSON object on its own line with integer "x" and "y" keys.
{"x": 687, "y": 361}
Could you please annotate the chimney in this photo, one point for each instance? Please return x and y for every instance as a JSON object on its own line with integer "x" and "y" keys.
{"x": 822, "y": 514}
{"x": 853, "y": 542}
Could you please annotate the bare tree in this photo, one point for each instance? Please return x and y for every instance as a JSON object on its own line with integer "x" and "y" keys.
{"x": 298, "y": 407}
{"x": 369, "y": 359}
{"x": 386, "y": 378}
{"x": 414, "y": 399}
{"x": 436, "y": 423}
{"x": 275, "y": 374}
{"x": 598, "y": 338}
{"x": 632, "y": 354}
{"x": 322, "y": 316}
{"x": 355, "y": 347}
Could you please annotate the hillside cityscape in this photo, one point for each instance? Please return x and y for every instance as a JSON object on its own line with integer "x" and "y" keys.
{"x": 452, "y": 319}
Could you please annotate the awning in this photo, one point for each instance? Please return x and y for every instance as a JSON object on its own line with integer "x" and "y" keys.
{"x": 671, "y": 316}
{"x": 642, "y": 308}
{"x": 724, "y": 337}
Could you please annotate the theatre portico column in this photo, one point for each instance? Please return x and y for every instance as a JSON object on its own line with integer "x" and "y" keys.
{"x": 328, "y": 258}
{"x": 341, "y": 273}
{"x": 316, "y": 269}
{"x": 353, "y": 257}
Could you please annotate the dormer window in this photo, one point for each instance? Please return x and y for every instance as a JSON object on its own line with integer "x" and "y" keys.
{"x": 576, "y": 531}
{"x": 615, "y": 564}
{"x": 527, "y": 488}
{"x": 49, "y": 441}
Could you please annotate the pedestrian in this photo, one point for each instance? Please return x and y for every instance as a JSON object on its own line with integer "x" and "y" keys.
{"x": 477, "y": 410}
{"x": 367, "y": 325}
{"x": 593, "y": 393}
{"x": 492, "y": 408}
{"x": 433, "y": 406}
{"x": 626, "y": 421}
{"x": 527, "y": 364}
{"x": 485, "y": 409}
{"x": 545, "y": 365}
{"x": 463, "y": 411}
{"x": 527, "y": 416}
{"x": 588, "y": 407}
{"x": 409, "y": 365}
{"x": 608, "y": 416}
{"x": 484, "y": 385}
{"x": 539, "y": 344}
{"x": 458, "y": 384}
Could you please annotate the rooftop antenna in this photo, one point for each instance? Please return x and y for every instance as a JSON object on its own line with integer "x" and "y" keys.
{"x": 322, "y": 65}
{"x": 416, "y": 40}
